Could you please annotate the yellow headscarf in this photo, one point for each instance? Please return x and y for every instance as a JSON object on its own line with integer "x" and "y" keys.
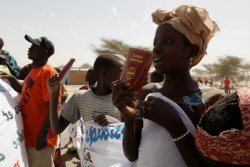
{"x": 191, "y": 21}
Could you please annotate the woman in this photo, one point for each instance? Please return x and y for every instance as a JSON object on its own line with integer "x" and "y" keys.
{"x": 180, "y": 43}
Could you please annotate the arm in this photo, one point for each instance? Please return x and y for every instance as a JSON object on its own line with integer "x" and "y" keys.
{"x": 187, "y": 147}
{"x": 131, "y": 139}
{"x": 165, "y": 114}
{"x": 15, "y": 84}
{"x": 124, "y": 99}
{"x": 24, "y": 71}
{"x": 42, "y": 138}
{"x": 58, "y": 123}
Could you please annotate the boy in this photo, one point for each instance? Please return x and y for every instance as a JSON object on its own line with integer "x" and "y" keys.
{"x": 94, "y": 104}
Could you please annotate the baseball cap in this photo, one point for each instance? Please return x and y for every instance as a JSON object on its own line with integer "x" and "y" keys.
{"x": 43, "y": 42}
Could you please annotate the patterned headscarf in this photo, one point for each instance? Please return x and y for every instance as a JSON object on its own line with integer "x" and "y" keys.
{"x": 230, "y": 146}
{"x": 191, "y": 21}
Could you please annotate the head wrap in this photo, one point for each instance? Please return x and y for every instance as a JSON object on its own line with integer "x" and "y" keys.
{"x": 191, "y": 21}
{"x": 230, "y": 146}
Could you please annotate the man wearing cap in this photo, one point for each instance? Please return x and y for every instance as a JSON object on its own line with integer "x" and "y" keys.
{"x": 9, "y": 61}
{"x": 34, "y": 104}
{"x": 39, "y": 139}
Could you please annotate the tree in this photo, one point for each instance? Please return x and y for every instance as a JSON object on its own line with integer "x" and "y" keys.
{"x": 225, "y": 66}
{"x": 114, "y": 46}
{"x": 197, "y": 72}
{"x": 245, "y": 72}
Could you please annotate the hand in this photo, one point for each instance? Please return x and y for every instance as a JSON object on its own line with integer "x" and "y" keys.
{"x": 163, "y": 113}
{"x": 104, "y": 120}
{"x": 8, "y": 78}
{"x": 53, "y": 85}
{"x": 124, "y": 99}
{"x": 42, "y": 139}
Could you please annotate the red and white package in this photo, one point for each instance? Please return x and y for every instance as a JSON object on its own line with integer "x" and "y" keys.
{"x": 63, "y": 75}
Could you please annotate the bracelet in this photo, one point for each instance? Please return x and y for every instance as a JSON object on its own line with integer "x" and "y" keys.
{"x": 181, "y": 137}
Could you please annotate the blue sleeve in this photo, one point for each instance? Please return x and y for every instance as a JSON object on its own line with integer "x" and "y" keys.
{"x": 13, "y": 64}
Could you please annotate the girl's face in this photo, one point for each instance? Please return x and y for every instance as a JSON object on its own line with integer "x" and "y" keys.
{"x": 113, "y": 75}
{"x": 171, "y": 53}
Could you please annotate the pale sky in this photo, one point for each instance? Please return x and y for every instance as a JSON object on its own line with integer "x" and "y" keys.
{"x": 74, "y": 25}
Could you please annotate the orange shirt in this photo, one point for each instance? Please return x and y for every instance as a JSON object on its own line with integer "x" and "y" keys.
{"x": 226, "y": 83}
{"x": 34, "y": 104}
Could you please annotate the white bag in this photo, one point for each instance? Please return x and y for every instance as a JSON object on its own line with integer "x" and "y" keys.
{"x": 12, "y": 147}
{"x": 101, "y": 146}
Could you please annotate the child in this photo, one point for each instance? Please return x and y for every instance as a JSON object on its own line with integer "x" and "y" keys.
{"x": 94, "y": 104}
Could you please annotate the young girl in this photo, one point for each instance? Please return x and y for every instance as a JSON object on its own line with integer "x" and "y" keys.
{"x": 166, "y": 138}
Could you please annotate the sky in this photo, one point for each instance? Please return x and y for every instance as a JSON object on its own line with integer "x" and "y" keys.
{"x": 75, "y": 26}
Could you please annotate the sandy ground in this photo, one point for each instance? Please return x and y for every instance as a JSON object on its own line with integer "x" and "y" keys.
{"x": 68, "y": 159}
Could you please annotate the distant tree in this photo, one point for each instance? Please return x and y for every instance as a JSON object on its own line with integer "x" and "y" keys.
{"x": 225, "y": 66}
{"x": 197, "y": 72}
{"x": 245, "y": 72}
{"x": 114, "y": 46}
{"x": 85, "y": 65}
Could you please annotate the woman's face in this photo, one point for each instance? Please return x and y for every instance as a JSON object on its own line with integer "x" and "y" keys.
{"x": 171, "y": 52}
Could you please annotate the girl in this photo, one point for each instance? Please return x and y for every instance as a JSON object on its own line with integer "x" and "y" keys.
{"x": 166, "y": 138}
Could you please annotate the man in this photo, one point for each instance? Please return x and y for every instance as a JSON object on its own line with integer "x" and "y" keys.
{"x": 226, "y": 85}
{"x": 9, "y": 61}
{"x": 34, "y": 104}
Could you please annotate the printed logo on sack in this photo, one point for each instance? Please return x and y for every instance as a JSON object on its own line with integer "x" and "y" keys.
{"x": 95, "y": 134}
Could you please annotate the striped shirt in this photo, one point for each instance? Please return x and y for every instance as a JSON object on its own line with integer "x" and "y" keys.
{"x": 87, "y": 105}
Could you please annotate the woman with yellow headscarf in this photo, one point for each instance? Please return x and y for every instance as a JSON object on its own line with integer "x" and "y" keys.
{"x": 167, "y": 135}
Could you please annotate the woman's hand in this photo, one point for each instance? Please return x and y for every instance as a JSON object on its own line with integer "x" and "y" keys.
{"x": 53, "y": 85}
{"x": 124, "y": 99}
{"x": 163, "y": 113}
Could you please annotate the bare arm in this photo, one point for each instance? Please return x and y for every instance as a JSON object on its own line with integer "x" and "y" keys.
{"x": 123, "y": 99}
{"x": 42, "y": 137}
{"x": 58, "y": 124}
{"x": 165, "y": 114}
{"x": 131, "y": 139}
{"x": 187, "y": 147}
{"x": 15, "y": 84}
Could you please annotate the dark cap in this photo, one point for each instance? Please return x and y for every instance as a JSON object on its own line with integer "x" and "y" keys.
{"x": 43, "y": 42}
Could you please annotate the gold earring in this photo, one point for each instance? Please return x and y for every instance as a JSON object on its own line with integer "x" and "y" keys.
{"x": 191, "y": 60}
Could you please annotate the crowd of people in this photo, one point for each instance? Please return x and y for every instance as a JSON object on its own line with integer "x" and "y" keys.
{"x": 173, "y": 121}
